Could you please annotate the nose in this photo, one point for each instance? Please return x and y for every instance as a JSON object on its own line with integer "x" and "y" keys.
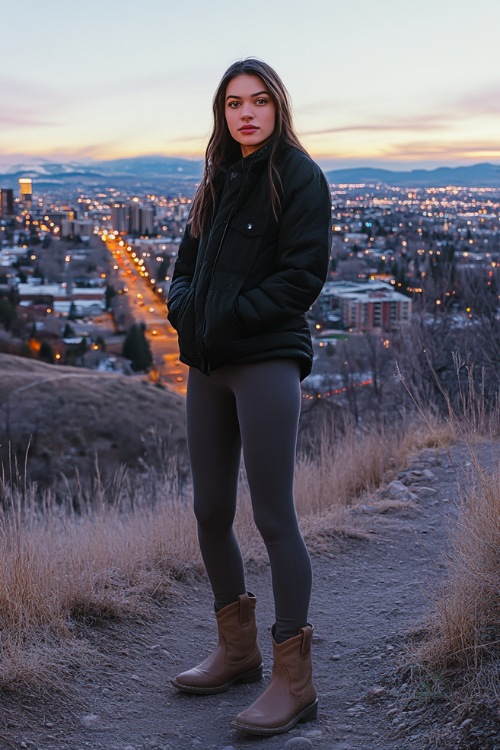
{"x": 246, "y": 112}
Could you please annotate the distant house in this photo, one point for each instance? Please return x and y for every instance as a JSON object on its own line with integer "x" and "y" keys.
{"x": 60, "y": 297}
{"x": 10, "y": 255}
{"x": 367, "y": 305}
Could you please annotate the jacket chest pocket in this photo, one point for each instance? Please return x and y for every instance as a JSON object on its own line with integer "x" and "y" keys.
{"x": 244, "y": 239}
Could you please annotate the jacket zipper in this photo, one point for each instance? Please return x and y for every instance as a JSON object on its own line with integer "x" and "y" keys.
{"x": 206, "y": 368}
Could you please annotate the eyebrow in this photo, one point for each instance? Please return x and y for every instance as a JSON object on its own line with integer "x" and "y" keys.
{"x": 236, "y": 96}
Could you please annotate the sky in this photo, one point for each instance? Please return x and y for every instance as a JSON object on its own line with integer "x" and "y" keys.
{"x": 393, "y": 83}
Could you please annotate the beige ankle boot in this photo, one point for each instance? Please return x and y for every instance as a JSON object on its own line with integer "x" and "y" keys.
{"x": 237, "y": 657}
{"x": 290, "y": 696}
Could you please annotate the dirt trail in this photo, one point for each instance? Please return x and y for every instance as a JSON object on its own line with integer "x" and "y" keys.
{"x": 367, "y": 595}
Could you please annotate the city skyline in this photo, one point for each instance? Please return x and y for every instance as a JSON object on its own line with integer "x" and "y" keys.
{"x": 396, "y": 84}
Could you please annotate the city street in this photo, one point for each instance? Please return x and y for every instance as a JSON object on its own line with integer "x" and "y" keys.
{"x": 144, "y": 306}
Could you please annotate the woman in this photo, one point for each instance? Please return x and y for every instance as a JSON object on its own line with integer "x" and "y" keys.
{"x": 253, "y": 260}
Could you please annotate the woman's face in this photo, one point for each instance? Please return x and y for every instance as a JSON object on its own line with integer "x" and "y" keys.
{"x": 250, "y": 112}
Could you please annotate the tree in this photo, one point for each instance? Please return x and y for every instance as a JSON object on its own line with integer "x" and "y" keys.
{"x": 82, "y": 348}
{"x": 109, "y": 295}
{"x": 47, "y": 352}
{"x": 100, "y": 343}
{"x": 136, "y": 348}
{"x": 162, "y": 271}
{"x": 7, "y": 313}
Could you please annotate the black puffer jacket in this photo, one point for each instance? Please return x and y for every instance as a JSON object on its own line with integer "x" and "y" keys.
{"x": 240, "y": 292}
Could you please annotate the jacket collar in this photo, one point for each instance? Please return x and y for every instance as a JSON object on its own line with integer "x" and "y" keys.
{"x": 247, "y": 162}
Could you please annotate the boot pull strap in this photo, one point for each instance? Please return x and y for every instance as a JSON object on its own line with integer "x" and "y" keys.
{"x": 245, "y": 610}
{"x": 306, "y": 640}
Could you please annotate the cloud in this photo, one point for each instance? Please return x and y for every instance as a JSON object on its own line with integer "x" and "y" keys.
{"x": 417, "y": 123}
{"x": 485, "y": 102}
{"x": 449, "y": 114}
{"x": 23, "y": 119}
{"x": 91, "y": 152}
{"x": 25, "y": 105}
{"x": 189, "y": 139}
{"x": 444, "y": 150}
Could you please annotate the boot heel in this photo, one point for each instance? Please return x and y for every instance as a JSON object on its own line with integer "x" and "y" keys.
{"x": 254, "y": 675}
{"x": 310, "y": 713}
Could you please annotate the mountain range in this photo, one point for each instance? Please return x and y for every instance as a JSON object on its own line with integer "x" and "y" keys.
{"x": 144, "y": 171}
{"x": 476, "y": 175}
{"x": 151, "y": 171}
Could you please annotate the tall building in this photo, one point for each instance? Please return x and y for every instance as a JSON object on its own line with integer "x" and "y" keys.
{"x": 134, "y": 218}
{"x": 82, "y": 228}
{"x": 26, "y": 190}
{"x": 147, "y": 220}
{"x": 119, "y": 217}
{"x": 6, "y": 203}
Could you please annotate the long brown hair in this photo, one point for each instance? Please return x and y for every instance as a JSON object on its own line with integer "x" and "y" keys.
{"x": 223, "y": 150}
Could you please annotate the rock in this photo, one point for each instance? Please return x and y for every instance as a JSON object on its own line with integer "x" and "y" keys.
{"x": 91, "y": 721}
{"x": 428, "y": 474}
{"x": 411, "y": 474}
{"x": 423, "y": 490}
{"x": 357, "y": 709}
{"x": 298, "y": 743}
{"x": 313, "y": 734}
{"x": 396, "y": 490}
{"x": 377, "y": 691}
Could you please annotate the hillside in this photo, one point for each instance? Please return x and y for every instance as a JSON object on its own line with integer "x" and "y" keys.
{"x": 372, "y": 593}
{"x": 69, "y": 417}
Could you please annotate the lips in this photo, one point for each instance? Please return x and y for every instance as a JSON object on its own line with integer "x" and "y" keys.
{"x": 248, "y": 129}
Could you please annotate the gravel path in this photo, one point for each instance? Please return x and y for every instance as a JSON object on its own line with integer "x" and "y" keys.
{"x": 368, "y": 594}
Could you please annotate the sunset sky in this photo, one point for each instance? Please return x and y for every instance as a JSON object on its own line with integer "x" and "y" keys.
{"x": 387, "y": 83}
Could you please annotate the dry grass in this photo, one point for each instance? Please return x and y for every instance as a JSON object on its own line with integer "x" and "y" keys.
{"x": 462, "y": 642}
{"x": 59, "y": 568}
{"x": 133, "y": 538}
{"x": 457, "y": 657}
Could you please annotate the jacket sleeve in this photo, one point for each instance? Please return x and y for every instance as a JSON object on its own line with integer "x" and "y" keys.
{"x": 183, "y": 274}
{"x": 302, "y": 258}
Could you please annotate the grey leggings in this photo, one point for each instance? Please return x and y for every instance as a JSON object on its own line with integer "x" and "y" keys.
{"x": 255, "y": 407}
